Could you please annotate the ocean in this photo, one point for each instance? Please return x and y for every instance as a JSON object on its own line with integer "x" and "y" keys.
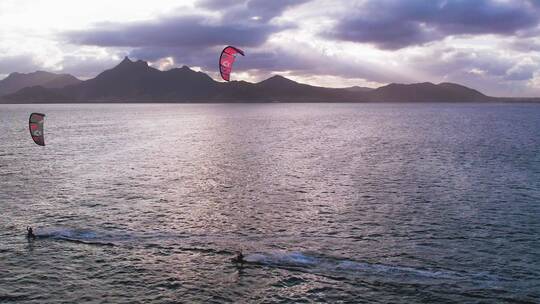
{"x": 338, "y": 203}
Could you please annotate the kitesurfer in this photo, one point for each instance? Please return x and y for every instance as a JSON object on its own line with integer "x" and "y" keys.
{"x": 30, "y": 233}
{"x": 239, "y": 258}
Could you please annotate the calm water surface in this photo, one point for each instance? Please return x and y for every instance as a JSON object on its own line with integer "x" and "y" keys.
{"x": 360, "y": 203}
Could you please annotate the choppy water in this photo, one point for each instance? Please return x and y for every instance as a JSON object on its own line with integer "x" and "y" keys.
{"x": 360, "y": 203}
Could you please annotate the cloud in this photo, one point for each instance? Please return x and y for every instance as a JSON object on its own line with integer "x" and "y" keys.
{"x": 395, "y": 24}
{"x": 87, "y": 66}
{"x": 187, "y": 31}
{"x": 241, "y": 23}
{"x": 260, "y": 10}
{"x": 448, "y": 60}
{"x": 525, "y": 45}
{"x": 494, "y": 71}
{"x": 521, "y": 72}
{"x": 20, "y": 63}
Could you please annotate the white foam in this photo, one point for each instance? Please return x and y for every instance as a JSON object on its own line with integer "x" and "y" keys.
{"x": 281, "y": 257}
{"x": 318, "y": 264}
{"x": 67, "y": 233}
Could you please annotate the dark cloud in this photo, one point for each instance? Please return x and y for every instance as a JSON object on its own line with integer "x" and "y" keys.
{"x": 394, "y": 24}
{"x": 188, "y": 31}
{"x": 241, "y": 23}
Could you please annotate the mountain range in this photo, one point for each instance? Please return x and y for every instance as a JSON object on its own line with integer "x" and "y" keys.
{"x": 16, "y": 81}
{"x": 136, "y": 81}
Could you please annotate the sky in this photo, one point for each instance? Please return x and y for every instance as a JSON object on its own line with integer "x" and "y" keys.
{"x": 490, "y": 45}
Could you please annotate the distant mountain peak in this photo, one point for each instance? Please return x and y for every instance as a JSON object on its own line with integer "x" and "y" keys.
{"x": 126, "y": 60}
{"x": 186, "y": 72}
{"x": 278, "y": 79}
{"x": 128, "y": 63}
{"x": 129, "y": 66}
{"x": 359, "y": 89}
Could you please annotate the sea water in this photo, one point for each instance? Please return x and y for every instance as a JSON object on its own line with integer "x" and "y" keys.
{"x": 363, "y": 203}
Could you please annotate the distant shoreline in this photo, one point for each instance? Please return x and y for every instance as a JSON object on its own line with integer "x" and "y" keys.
{"x": 505, "y": 101}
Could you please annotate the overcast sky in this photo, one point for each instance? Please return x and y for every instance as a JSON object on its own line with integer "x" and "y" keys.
{"x": 490, "y": 45}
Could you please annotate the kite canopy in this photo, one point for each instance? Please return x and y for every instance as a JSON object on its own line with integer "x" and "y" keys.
{"x": 36, "y": 128}
{"x": 226, "y": 60}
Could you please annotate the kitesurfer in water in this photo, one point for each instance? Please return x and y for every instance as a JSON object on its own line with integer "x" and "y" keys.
{"x": 30, "y": 233}
{"x": 239, "y": 258}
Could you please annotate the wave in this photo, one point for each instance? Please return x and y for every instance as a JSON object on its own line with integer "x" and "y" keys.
{"x": 74, "y": 236}
{"x": 329, "y": 265}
